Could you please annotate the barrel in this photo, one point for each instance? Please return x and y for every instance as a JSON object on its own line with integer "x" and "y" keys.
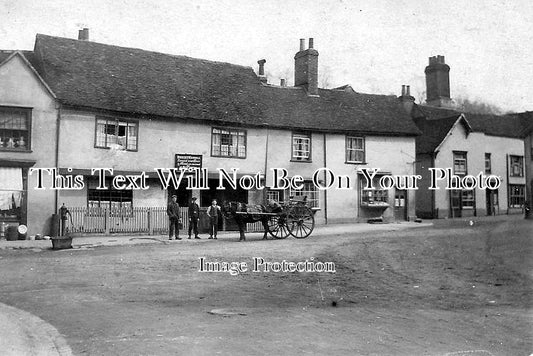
{"x": 12, "y": 233}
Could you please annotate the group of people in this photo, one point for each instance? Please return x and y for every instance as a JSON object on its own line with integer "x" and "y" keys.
{"x": 175, "y": 223}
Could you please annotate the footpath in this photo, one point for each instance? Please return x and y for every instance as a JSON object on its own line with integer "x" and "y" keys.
{"x": 91, "y": 241}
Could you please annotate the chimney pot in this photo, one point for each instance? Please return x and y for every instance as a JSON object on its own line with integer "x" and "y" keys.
{"x": 311, "y": 43}
{"x": 282, "y": 82}
{"x": 403, "y": 90}
{"x": 408, "y": 90}
{"x": 302, "y": 44}
{"x": 83, "y": 35}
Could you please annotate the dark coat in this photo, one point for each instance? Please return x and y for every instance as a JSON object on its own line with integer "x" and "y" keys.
{"x": 194, "y": 211}
{"x": 173, "y": 210}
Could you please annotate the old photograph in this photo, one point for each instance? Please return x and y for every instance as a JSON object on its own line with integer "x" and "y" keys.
{"x": 266, "y": 177}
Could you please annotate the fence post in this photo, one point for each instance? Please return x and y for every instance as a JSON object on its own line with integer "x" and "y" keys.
{"x": 106, "y": 221}
{"x": 150, "y": 226}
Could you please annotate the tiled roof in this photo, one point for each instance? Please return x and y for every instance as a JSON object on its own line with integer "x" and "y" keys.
{"x": 94, "y": 75}
{"x": 496, "y": 125}
{"x": 526, "y": 121}
{"x": 433, "y": 132}
{"x": 436, "y": 122}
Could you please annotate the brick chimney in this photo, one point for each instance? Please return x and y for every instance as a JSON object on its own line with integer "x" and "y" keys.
{"x": 438, "y": 82}
{"x": 306, "y": 68}
{"x": 262, "y": 76}
{"x": 406, "y": 99}
{"x": 83, "y": 35}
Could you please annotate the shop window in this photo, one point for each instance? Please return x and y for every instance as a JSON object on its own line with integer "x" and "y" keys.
{"x": 228, "y": 143}
{"x": 467, "y": 199}
{"x": 115, "y": 133}
{"x": 301, "y": 147}
{"x": 355, "y": 149}
{"x": 308, "y": 190}
{"x": 117, "y": 201}
{"x": 516, "y": 166}
{"x": 376, "y": 197}
{"x": 11, "y": 192}
{"x": 15, "y": 128}
{"x": 516, "y": 196}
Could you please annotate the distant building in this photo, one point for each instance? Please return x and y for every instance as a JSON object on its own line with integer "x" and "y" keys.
{"x": 469, "y": 144}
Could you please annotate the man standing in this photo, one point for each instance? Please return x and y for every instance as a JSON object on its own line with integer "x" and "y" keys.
{"x": 194, "y": 216}
{"x": 173, "y": 212}
{"x": 213, "y": 212}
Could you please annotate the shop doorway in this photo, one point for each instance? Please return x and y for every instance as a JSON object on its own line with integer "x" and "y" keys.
{"x": 400, "y": 205}
{"x": 492, "y": 201}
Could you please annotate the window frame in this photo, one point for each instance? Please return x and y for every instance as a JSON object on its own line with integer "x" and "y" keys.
{"x": 117, "y": 121}
{"x": 275, "y": 194}
{"x": 28, "y": 115}
{"x": 310, "y": 190}
{"x": 488, "y": 163}
{"x": 348, "y": 149}
{"x": 519, "y": 163}
{"x": 456, "y": 157}
{"x": 521, "y": 197}
{"x": 230, "y": 132}
{"x": 301, "y": 135}
{"x": 468, "y": 199}
{"x": 125, "y": 207}
{"x": 373, "y": 198}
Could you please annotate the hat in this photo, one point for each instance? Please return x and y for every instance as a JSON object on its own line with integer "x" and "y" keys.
{"x": 194, "y": 198}
{"x": 174, "y": 196}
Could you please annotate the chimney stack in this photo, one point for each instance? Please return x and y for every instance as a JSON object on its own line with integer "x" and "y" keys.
{"x": 438, "y": 82}
{"x": 306, "y": 68}
{"x": 83, "y": 35}
{"x": 406, "y": 99}
{"x": 262, "y": 76}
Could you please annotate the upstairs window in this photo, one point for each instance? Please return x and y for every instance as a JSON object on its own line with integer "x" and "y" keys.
{"x": 301, "y": 147}
{"x": 15, "y": 128}
{"x": 228, "y": 143}
{"x": 488, "y": 164}
{"x": 516, "y": 166}
{"x": 459, "y": 163}
{"x": 116, "y": 133}
{"x": 355, "y": 149}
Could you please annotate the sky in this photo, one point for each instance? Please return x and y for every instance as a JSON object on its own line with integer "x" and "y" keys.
{"x": 374, "y": 46}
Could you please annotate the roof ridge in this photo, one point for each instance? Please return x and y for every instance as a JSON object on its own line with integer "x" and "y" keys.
{"x": 145, "y": 51}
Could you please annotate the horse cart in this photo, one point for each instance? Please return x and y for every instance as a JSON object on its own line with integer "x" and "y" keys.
{"x": 294, "y": 218}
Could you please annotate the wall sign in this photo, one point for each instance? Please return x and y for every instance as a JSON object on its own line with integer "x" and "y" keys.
{"x": 183, "y": 160}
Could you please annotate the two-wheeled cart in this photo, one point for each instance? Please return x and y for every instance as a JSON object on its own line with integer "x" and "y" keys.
{"x": 294, "y": 218}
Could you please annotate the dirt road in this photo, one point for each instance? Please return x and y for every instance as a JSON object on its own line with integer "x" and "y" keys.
{"x": 428, "y": 291}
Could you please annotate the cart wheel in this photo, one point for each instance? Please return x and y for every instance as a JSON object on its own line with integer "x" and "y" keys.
{"x": 277, "y": 227}
{"x": 300, "y": 221}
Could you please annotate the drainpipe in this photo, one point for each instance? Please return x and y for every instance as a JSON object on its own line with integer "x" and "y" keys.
{"x": 325, "y": 178}
{"x": 266, "y": 160}
{"x": 58, "y": 126}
